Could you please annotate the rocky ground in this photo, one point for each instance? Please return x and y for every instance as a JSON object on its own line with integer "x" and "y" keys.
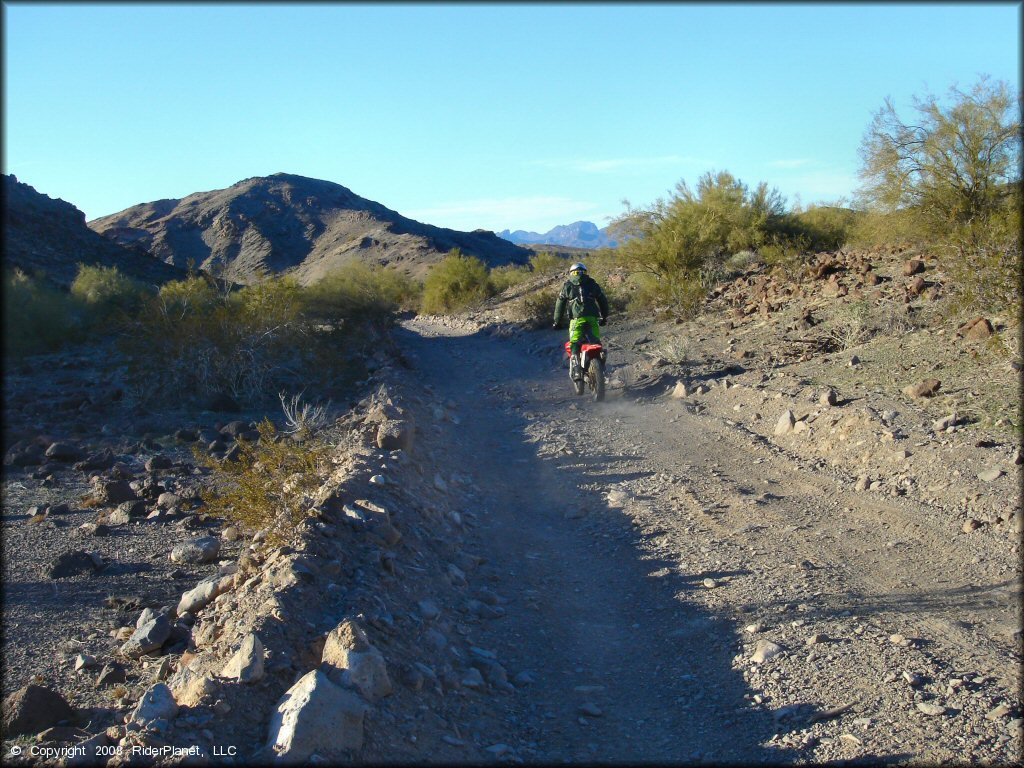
{"x": 759, "y": 548}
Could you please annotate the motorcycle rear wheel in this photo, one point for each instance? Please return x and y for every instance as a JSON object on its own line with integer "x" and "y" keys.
{"x": 595, "y": 375}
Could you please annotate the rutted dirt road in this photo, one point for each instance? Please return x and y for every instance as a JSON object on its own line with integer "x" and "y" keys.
{"x": 650, "y": 552}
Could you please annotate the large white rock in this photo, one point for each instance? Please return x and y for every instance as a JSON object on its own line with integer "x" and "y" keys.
{"x": 348, "y": 651}
{"x": 246, "y": 666}
{"x": 785, "y": 423}
{"x": 156, "y": 703}
{"x": 316, "y": 716}
{"x": 203, "y": 593}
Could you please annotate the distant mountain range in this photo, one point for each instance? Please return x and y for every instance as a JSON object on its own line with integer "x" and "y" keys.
{"x": 291, "y": 224}
{"x": 579, "y": 234}
{"x": 47, "y": 236}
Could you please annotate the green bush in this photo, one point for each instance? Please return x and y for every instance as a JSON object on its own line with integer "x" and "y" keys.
{"x": 37, "y": 316}
{"x": 826, "y": 227}
{"x": 504, "y": 277}
{"x": 269, "y": 486}
{"x": 679, "y": 244}
{"x": 359, "y": 291}
{"x": 455, "y": 283}
{"x": 107, "y": 294}
{"x": 545, "y": 262}
{"x": 190, "y": 338}
{"x": 538, "y": 307}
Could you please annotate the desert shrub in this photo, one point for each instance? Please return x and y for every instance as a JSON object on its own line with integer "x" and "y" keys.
{"x": 37, "y": 316}
{"x": 825, "y": 227}
{"x": 538, "y": 307}
{"x": 545, "y": 263}
{"x": 359, "y": 291}
{"x": 739, "y": 263}
{"x": 951, "y": 178}
{"x": 508, "y": 275}
{"x": 455, "y": 283}
{"x": 271, "y": 484}
{"x": 190, "y": 338}
{"x": 677, "y": 241}
{"x": 850, "y": 326}
{"x": 107, "y": 294}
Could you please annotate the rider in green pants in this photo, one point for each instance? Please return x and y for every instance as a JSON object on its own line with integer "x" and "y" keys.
{"x": 588, "y": 309}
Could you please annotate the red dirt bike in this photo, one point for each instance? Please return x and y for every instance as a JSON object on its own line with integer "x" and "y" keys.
{"x": 592, "y": 360}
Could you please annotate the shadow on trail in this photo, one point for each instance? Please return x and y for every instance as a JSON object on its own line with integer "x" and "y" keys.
{"x": 593, "y": 616}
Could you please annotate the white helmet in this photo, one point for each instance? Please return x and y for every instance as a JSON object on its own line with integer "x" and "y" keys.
{"x": 579, "y": 266}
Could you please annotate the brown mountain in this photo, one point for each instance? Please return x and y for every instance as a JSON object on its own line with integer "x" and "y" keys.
{"x": 44, "y": 235}
{"x": 291, "y": 224}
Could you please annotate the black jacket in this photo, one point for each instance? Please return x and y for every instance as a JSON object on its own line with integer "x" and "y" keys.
{"x": 593, "y": 299}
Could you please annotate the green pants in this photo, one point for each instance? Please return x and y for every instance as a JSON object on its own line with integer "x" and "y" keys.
{"x": 579, "y": 327}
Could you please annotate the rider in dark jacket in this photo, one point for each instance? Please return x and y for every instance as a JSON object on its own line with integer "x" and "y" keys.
{"x": 588, "y": 309}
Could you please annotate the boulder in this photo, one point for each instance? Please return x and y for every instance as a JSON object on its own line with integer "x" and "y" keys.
{"x": 235, "y": 428}
{"x": 97, "y": 461}
{"x": 195, "y": 551}
{"x": 916, "y": 286}
{"x": 351, "y": 659}
{"x": 316, "y": 716}
{"x": 63, "y": 452}
{"x": 72, "y": 563}
{"x": 156, "y": 704}
{"x": 32, "y": 709}
{"x": 913, "y": 267}
{"x": 246, "y": 666}
{"x": 148, "y": 637}
{"x": 394, "y": 435}
{"x": 679, "y": 390}
{"x": 828, "y": 397}
{"x": 154, "y": 463}
{"x": 111, "y": 492}
{"x": 203, "y": 593}
{"x": 925, "y": 388}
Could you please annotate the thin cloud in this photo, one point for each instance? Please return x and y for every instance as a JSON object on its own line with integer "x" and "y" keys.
{"x": 504, "y": 213}
{"x": 611, "y": 165}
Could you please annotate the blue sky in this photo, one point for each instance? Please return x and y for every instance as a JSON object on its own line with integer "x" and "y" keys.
{"x": 519, "y": 116}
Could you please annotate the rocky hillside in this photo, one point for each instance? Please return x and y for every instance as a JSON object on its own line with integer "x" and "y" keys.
{"x": 46, "y": 235}
{"x": 291, "y": 224}
{"x": 579, "y": 234}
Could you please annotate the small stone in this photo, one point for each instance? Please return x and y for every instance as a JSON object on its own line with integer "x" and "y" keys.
{"x": 914, "y": 679}
{"x": 899, "y": 640}
{"x": 710, "y": 583}
{"x": 990, "y": 475}
{"x": 925, "y": 388}
{"x": 764, "y": 650}
{"x": 590, "y": 709}
{"x": 472, "y": 678}
{"x": 785, "y": 423}
{"x": 854, "y": 361}
{"x": 932, "y": 710}
{"x": 440, "y": 484}
{"x": 828, "y": 397}
{"x": 428, "y": 610}
{"x": 970, "y": 525}
{"x": 816, "y": 639}
{"x": 378, "y": 480}
{"x": 862, "y": 483}
{"x": 679, "y": 391}
{"x": 941, "y": 425}
{"x": 1001, "y": 711}
{"x": 111, "y": 674}
{"x": 83, "y": 661}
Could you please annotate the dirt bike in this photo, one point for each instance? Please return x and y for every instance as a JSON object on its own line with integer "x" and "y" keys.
{"x": 592, "y": 360}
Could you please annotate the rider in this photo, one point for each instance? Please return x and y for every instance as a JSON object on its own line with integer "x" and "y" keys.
{"x": 588, "y": 309}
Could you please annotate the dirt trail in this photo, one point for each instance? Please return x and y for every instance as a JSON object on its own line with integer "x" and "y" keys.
{"x": 645, "y": 550}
